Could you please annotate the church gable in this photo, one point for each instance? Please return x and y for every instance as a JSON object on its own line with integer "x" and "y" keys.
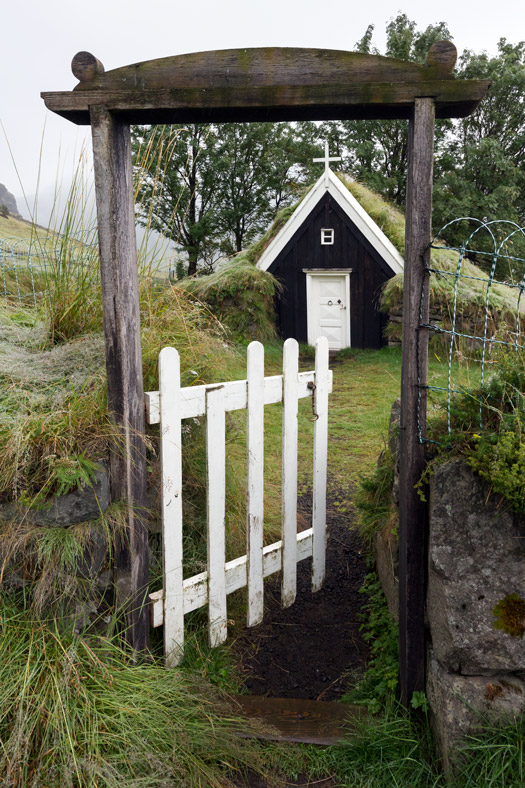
{"x": 307, "y": 210}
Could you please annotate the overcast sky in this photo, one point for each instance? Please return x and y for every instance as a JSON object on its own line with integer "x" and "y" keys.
{"x": 39, "y": 39}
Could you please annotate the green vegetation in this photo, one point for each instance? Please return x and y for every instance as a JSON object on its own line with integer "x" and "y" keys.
{"x": 75, "y": 711}
{"x": 488, "y": 428}
{"x": 479, "y": 165}
{"x": 240, "y": 296}
{"x": 510, "y": 615}
{"x": 10, "y": 227}
{"x": 213, "y": 189}
{"x": 373, "y": 499}
{"x": 469, "y": 291}
{"x": 377, "y": 689}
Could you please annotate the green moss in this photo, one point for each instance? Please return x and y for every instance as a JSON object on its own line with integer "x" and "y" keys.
{"x": 510, "y": 615}
{"x": 373, "y": 498}
{"x": 488, "y": 429}
{"x": 241, "y": 296}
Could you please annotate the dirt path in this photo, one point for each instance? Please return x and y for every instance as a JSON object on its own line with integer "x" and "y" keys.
{"x": 311, "y": 649}
{"x": 314, "y": 649}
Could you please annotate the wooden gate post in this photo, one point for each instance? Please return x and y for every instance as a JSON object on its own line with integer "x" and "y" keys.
{"x": 120, "y": 302}
{"x": 412, "y": 510}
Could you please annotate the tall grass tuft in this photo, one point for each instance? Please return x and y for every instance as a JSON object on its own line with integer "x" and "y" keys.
{"x": 76, "y": 712}
{"x": 74, "y": 305}
{"x": 493, "y": 757}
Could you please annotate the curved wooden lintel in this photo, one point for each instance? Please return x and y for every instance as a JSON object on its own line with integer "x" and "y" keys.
{"x": 268, "y": 84}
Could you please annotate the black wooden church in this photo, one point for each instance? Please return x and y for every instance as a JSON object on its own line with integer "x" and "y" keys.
{"x": 332, "y": 260}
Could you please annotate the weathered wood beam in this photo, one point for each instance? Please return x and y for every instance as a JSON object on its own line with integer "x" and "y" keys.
{"x": 120, "y": 302}
{"x": 412, "y": 510}
{"x": 268, "y": 84}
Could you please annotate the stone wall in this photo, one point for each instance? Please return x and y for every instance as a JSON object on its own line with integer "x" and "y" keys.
{"x": 476, "y": 560}
{"x": 84, "y": 590}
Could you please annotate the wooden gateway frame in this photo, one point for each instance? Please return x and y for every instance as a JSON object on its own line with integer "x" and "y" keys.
{"x": 269, "y": 84}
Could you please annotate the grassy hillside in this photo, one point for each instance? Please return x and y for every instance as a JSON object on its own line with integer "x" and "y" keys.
{"x": 21, "y": 229}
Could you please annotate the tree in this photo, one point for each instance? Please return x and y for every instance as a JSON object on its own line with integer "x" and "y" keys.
{"x": 176, "y": 186}
{"x": 482, "y": 170}
{"x": 4, "y": 211}
{"x": 257, "y": 168}
{"x": 213, "y": 189}
{"x": 376, "y": 151}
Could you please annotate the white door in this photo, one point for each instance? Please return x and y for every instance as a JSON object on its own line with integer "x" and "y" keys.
{"x": 328, "y": 308}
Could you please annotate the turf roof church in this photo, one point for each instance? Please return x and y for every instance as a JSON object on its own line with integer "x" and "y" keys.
{"x": 332, "y": 260}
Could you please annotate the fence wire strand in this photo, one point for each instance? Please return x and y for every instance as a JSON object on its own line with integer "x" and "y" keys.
{"x": 28, "y": 269}
{"x": 502, "y": 243}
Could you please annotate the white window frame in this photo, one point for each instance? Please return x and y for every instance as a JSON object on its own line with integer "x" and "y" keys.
{"x": 327, "y": 236}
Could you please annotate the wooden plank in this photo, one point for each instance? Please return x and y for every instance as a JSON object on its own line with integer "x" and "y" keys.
{"x": 320, "y": 462}
{"x": 216, "y": 508}
{"x": 255, "y": 484}
{"x": 296, "y": 720}
{"x": 289, "y": 472}
{"x": 120, "y": 304}
{"x": 330, "y": 101}
{"x": 196, "y": 587}
{"x": 412, "y": 511}
{"x": 273, "y": 83}
{"x": 171, "y": 508}
{"x": 193, "y": 398}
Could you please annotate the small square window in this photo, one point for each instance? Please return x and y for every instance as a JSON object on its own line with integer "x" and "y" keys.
{"x": 327, "y": 236}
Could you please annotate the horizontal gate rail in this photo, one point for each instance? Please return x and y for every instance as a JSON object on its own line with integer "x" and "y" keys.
{"x": 169, "y": 406}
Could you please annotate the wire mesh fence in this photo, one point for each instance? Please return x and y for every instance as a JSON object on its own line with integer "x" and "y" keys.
{"x": 475, "y": 283}
{"x": 29, "y": 270}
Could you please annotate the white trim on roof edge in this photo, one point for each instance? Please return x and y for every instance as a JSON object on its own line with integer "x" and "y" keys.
{"x": 353, "y": 210}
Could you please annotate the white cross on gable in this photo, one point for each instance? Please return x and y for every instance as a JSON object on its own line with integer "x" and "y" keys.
{"x": 327, "y": 159}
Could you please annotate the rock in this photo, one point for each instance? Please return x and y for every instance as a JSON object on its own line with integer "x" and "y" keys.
{"x": 459, "y": 704}
{"x": 476, "y": 559}
{"x": 87, "y": 503}
{"x": 96, "y": 554}
{"x": 7, "y": 199}
{"x": 104, "y": 580}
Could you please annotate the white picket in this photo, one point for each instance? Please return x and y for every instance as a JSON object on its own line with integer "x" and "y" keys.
{"x": 216, "y": 510}
{"x": 255, "y": 483}
{"x": 171, "y": 463}
{"x": 193, "y": 399}
{"x": 171, "y": 404}
{"x": 320, "y": 394}
{"x": 196, "y": 587}
{"x": 289, "y": 472}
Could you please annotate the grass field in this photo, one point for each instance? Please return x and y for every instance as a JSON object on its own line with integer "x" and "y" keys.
{"x": 20, "y": 229}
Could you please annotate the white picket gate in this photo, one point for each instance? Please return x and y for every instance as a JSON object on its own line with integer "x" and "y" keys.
{"x": 169, "y": 406}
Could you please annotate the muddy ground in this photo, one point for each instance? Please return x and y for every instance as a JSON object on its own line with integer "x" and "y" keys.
{"x": 313, "y": 649}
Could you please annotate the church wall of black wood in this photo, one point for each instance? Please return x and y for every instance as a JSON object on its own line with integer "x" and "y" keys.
{"x": 349, "y": 250}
